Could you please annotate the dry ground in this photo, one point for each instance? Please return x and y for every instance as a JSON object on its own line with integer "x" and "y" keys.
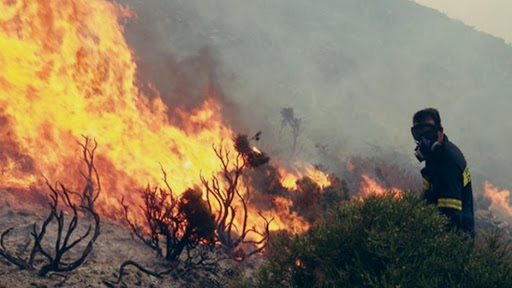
{"x": 114, "y": 246}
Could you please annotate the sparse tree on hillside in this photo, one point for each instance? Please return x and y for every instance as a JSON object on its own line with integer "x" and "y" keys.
{"x": 289, "y": 120}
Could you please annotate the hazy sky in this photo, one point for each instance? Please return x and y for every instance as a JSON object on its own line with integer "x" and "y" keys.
{"x": 491, "y": 16}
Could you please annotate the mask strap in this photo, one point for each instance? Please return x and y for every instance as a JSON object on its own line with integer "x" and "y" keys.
{"x": 435, "y": 145}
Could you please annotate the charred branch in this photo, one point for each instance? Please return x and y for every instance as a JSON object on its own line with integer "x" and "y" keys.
{"x": 19, "y": 262}
{"x": 173, "y": 224}
{"x": 151, "y": 238}
{"x": 200, "y": 257}
{"x": 92, "y": 187}
{"x": 264, "y": 237}
{"x": 60, "y": 201}
{"x": 161, "y": 221}
{"x": 141, "y": 268}
{"x": 63, "y": 243}
{"x": 226, "y": 200}
{"x": 203, "y": 263}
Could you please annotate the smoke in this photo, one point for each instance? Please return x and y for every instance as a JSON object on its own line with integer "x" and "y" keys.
{"x": 354, "y": 71}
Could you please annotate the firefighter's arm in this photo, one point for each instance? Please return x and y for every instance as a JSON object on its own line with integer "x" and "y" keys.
{"x": 428, "y": 194}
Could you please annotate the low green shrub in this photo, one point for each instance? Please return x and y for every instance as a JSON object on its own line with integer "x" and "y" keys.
{"x": 383, "y": 241}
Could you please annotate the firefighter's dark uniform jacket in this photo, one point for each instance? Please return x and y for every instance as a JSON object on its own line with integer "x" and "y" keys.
{"x": 447, "y": 184}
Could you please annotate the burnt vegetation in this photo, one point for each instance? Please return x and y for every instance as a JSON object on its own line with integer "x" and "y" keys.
{"x": 174, "y": 224}
{"x": 185, "y": 229}
{"x": 383, "y": 241}
{"x": 226, "y": 201}
{"x": 251, "y": 157}
{"x": 313, "y": 202}
{"x": 53, "y": 254}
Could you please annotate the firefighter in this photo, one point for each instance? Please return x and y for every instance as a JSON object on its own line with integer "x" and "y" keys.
{"x": 446, "y": 177}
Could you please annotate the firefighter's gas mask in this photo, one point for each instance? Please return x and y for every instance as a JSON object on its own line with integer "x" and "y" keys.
{"x": 425, "y": 135}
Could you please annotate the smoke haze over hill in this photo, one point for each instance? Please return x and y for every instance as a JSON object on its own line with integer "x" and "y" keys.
{"x": 354, "y": 71}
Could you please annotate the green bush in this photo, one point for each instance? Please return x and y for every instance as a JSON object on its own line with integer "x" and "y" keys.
{"x": 490, "y": 265}
{"x": 383, "y": 241}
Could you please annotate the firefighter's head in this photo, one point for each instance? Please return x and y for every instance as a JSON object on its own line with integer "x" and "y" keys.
{"x": 427, "y": 131}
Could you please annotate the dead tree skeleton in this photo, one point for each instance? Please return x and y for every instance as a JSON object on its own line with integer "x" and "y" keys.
{"x": 224, "y": 200}
{"x": 63, "y": 243}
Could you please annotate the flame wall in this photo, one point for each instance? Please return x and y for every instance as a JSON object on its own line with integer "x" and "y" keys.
{"x": 66, "y": 71}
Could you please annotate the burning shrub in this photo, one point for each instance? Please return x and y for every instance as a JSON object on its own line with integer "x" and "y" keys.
{"x": 313, "y": 202}
{"x": 334, "y": 194}
{"x": 183, "y": 222}
{"x": 386, "y": 170}
{"x": 306, "y": 199}
{"x": 252, "y": 157}
{"x": 267, "y": 180}
{"x": 201, "y": 224}
{"x": 57, "y": 259}
{"x": 384, "y": 242}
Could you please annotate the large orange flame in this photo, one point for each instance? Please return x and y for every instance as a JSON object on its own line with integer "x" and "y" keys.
{"x": 500, "y": 199}
{"x": 66, "y": 71}
{"x": 62, "y": 75}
